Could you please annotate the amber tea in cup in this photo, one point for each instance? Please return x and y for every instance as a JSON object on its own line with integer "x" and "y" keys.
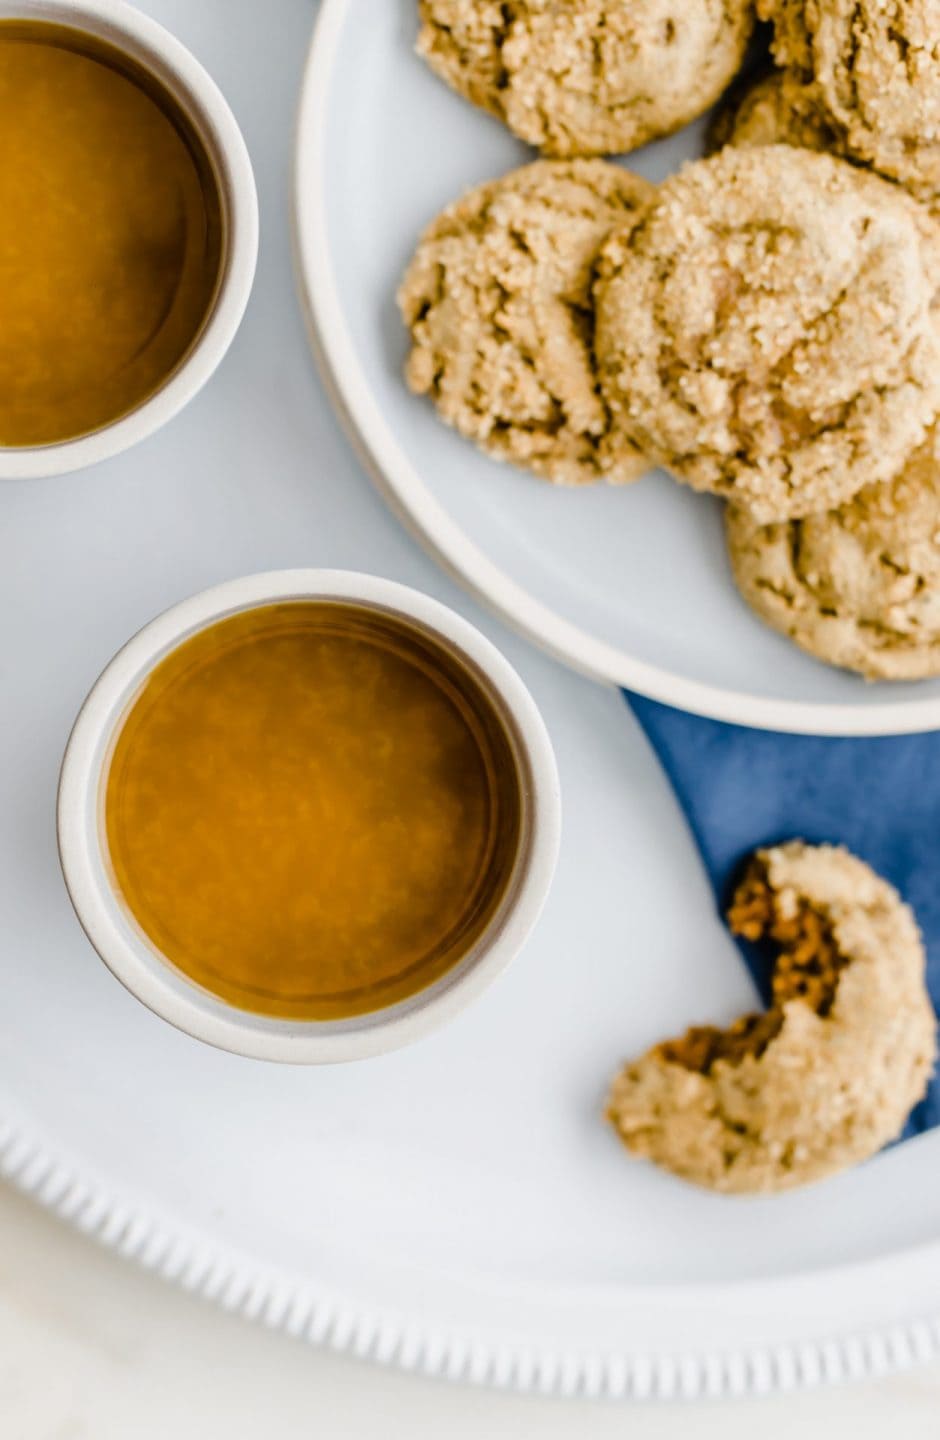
{"x": 312, "y": 809}
{"x": 112, "y": 240}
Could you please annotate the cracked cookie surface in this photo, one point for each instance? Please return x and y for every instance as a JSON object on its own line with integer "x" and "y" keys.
{"x": 498, "y": 302}
{"x": 778, "y": 109}
{"x": 775, "y": 109}
{"x": 595, "y": 77}
{"x": 875, "y": 69}
{"x": 791, "y": 43}
{"x": 766, "y": 329}
{"x": 824, "y": 1078}
{"x": 858, "y": 586}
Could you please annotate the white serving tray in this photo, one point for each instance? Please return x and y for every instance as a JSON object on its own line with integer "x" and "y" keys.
{"x": 457, "y": 1208}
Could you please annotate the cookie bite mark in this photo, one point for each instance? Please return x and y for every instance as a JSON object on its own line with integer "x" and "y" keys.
{"x": 702, "y": 1046}
{"x": 807, "y": 967}
{"x": 497, "y": 300}
{"x": 767, "y": 329}
{"x": 809, "y": 961}
{"x": 829, "y": 1073}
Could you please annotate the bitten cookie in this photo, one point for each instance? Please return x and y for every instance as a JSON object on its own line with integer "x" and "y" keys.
{"x": 766, "y": 329}
{"x": 498, "y": 303}
{"x": 829, "y": 1074}
{"x": 594, "y": 77}
{"x": 858, "y": 586}
{"x": 875, "y": 70}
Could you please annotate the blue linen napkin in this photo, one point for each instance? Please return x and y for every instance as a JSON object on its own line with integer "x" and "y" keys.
{"x": 742, "y": 789}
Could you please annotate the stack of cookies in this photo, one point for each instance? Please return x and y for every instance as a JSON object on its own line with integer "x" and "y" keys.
{"x": 764, "y": 325}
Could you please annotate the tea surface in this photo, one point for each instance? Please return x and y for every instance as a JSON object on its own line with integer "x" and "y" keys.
{"x": 111, "y": 237}
{"x": 311, "y": 811}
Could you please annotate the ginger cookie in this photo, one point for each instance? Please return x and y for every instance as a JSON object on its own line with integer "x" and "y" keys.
{"x": 462, "y": 41}
{"x": 826, "y": 1076}
{"x": 858, "y": 586}
{"x": 498, "y": 303}
{"x": 587, "y": 77}
{"x": 775, "y": 109}
{"x": 779, "y": 109}
{"x": 791, "y": 44}
{"x": 875, "y": 70}
{"x": 766, "y": 329}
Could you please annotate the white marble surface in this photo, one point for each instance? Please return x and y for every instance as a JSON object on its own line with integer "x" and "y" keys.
{"x": 93, "y": 1349}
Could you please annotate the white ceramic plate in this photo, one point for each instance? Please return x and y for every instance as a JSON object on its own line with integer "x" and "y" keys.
{"x": 630, "y": 585}
{"x": 457, "y": 1208}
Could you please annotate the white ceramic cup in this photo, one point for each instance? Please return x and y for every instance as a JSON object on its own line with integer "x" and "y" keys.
{"x": 138, "y": 964}
{"x": 146, "y": 42}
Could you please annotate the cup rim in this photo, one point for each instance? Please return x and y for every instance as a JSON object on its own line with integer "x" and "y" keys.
{"x": 156, "y": 49}
{"x": 182, "y": 1002}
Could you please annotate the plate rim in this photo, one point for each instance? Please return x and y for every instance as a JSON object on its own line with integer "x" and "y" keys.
{"x": 265, "y": 1294}
{"x": 401, "y": 485}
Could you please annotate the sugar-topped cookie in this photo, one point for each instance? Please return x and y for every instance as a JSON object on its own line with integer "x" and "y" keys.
{"x": 587, "y": 77}
{"x": 774, "y": 109}
{"x": 498, "y": 303}
{"x": 875, "y": 70}
{"x": 766, "y": 328}
{"x": 826, "y": 1076}
{"x": 858, "y": 586}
